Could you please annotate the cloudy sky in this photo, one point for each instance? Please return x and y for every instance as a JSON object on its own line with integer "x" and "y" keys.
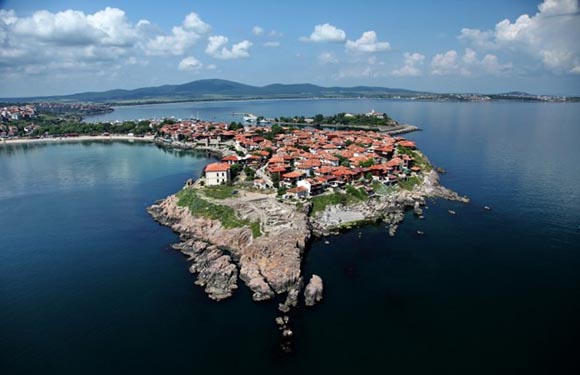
{"x": 64, "y": 46}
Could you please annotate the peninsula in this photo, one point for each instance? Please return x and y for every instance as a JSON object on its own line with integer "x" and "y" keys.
{"x": 251, "y": 214}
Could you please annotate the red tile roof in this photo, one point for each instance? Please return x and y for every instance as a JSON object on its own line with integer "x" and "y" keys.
{"x": 217, "y": 167}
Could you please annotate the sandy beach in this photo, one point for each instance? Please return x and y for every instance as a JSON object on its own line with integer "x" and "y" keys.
{"x": 82, "y": 138}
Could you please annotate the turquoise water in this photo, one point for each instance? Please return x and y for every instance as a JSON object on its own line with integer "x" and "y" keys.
{"x": 88, "y": 283}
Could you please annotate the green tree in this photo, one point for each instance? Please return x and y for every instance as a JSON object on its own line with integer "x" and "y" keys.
{"x": 250, "y": 173}
{"x": 235, "y": 169}
{"x": 345, "y": 163}
{"x": 367, "y": 163}
{"x": 276, "y": 180}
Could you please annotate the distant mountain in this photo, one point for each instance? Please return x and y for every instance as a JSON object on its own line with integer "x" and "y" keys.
{"x": 219, "y": 89}
{"x": 213, "y": 89}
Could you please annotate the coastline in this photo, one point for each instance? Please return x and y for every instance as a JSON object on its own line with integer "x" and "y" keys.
{"x": 83, "y": 138}
{"x": 271, "y": 264}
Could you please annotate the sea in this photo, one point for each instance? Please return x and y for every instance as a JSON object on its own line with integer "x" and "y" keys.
{"x": 90, "y": 285}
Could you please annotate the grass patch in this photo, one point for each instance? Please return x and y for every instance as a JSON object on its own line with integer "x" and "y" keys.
{"x": 410, "y": 183}
{"x": 226, "y": 215}
{"x": 359, "y": 194}
{"x": 352, "y": 196}
{"x": 381, "y": 189}
{"x": 219, "y": 192}
{"x": 255, "y": 227}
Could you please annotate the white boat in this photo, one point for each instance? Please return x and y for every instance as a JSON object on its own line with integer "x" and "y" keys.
{"x": 250, "y": 118}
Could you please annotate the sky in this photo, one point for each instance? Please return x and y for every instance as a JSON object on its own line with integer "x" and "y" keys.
{"x": 63, "y": 46}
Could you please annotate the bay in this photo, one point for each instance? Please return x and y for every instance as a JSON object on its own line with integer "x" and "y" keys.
{"x": 89, "y": 284}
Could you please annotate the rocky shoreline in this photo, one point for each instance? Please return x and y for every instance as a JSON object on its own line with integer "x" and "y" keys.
{"x": 271, "y": 264}
{"x": 389, "y": 208}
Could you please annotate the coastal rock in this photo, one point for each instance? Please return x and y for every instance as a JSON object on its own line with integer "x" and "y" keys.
{"x": 268, "y": 264}
{"x": 417, "y": 209}
{"x": 215, "y": 271}
{"x": 291, "y": 298}
{"x": 313, "y": 291}
{"x": 388, "y": 208}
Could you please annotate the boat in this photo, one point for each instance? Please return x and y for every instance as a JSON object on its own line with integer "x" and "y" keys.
{"x": 249, "y": 118}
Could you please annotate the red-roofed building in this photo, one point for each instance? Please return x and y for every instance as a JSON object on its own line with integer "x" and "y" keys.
{"x": 232, "y": 159}
{"x": 409, "y": 144}
{"x": 217, "y": 174}
{"x": 297, "y": 192}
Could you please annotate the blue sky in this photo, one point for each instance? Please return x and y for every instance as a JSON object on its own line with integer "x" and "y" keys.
{"x": 59, "y": 47}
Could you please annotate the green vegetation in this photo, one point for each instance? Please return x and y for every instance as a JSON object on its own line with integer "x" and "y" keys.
{"x": 367, "y": 163}
{"x": 255, "y": 227}
{"x": 381, "y": 189}
{"x": 59, "y": 125}
{"x": 235, "y": 170}
{"x": 219, "y": 192}
{"x": 360, "y": 194}
{"x": 344, "y": 119}
{"x": 269, "y": 135}
{"x": 276, "y": 179}
{"x": 410, "y": 183}
{"x": 250, "y": 174}
{"x": 420, "y": 159}
{"x": 224, "y": 214}
{"x": 352, "y": 196}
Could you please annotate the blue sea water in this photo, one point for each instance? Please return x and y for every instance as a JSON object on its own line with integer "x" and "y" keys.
{"x": 89, "y": 284}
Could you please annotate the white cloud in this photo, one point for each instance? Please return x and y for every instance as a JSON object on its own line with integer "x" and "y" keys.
{"x": 68, "y": 40}
{"x": 108, "y": 27}
{"x": 181, "y": 39}
{"x": 327, "y": 58}
{"x": 217, "y": 48}
{"x": 326, "y": 33}
{"x": 411, "y": 67}
{"x": 190, "y": 63}
{"x": 445, "y": 63}
{"x": 367, "y": 43}
{"x": 271, "y": 44}
{"x": 549, "y": 37}
{"x": 449, "y": 63}
{"x": 257, "y": 30}
{"x": 192, "y": 22}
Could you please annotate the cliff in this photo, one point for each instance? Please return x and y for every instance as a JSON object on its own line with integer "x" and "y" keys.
{"x": 268, "y": 264}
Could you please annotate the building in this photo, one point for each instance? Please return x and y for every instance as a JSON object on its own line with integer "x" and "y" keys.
{"x": 297, "y": 192}
{"x": 217, "y": 174}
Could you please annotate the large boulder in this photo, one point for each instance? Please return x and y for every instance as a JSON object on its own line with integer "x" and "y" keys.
{"x": 313, "y": 291}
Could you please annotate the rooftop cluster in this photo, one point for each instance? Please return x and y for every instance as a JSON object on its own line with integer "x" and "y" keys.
{"x": 306, "y": 162}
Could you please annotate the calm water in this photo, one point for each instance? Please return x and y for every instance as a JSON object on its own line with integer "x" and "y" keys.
{"x": 88, "y": 283}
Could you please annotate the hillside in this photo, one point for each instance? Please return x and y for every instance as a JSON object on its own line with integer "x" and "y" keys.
{"x": 211, "y": 89}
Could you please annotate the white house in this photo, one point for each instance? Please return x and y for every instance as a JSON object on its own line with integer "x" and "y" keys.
{"x": 217, "y": 174}
{"x": 297, "y": 192}
{"x": 306, "y": 185}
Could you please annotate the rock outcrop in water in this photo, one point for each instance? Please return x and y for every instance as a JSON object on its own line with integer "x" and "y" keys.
{"x": 215, "y": 270}
{"x": 313, "y": 291}
{"x": 268, "y": 265}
